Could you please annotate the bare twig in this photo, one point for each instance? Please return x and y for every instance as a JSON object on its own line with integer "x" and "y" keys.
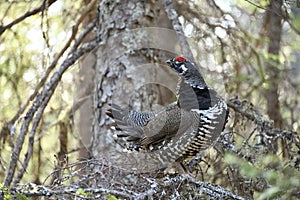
{"x": 173, "y": 16}
{"x": 256, "y": 5}
{"x": 27, "y": 14}
{"x": 78, "y": 41}
{"x": 215, "y": 191}
{"x": 236, "y": 107}
{"x": 152, "y": 187}
{"x": 41, "y": 110}
{"x": 40, "y": 101}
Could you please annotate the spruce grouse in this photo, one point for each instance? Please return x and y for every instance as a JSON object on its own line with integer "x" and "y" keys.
{"x": 182, "y": 129}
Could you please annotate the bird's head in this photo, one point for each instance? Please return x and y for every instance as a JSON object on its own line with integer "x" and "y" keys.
{"x": 180, "y": 64}
{"x": 187, "y": 70}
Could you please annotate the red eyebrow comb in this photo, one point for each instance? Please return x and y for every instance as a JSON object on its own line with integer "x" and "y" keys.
{"x": 180, "y": 58}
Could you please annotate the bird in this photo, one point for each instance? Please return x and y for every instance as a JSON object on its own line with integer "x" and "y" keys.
{"x": 182, "y": 129}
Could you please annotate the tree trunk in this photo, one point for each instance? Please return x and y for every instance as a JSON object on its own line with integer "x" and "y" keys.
{"x": 128, "y": 73}
{"x": 85, "y": 87}
{"x": 272, "y": 64}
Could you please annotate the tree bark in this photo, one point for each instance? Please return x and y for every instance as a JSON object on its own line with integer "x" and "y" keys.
{"x": 272, "y": 64}
{"x": 85, "y": 87}
{"x": 128, "y": 73}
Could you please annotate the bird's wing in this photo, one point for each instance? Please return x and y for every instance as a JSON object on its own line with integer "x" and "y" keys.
{"x": 169, "y": 123}
{"x": 129, "y": 121}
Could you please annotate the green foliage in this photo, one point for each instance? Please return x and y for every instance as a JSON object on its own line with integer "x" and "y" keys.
{"x": 282, "y": 178}
{"x": 80, "y": 192}
{"x": 111, "y": 197}
{"x": 22, "y": 197}
{"x": 246, "y": 168}
{"x": 296, "y": 22}
{"x": 26, "y": 50}
{"x": 254, "y": 5}
{"x": 4, "y": 190}
{"x": 7, "y": 196}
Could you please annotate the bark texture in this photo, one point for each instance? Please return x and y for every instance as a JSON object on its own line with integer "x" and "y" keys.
{"x": 127, "y": 72}
{"x": 273, "y": 65}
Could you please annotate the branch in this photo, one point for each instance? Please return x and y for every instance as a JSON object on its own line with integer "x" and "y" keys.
{"x": 87, "y": 30}
{"x": 256, "y": 5}
{"x": 28, "y": 155}
{"x": 261, "y": 122}
{"x": 214, "y": 191}
{"x": 32, "y": 189}
{"x": 147, "y": 186}
{"x": 27, "y": 14}
{"x": 39, "y": 104}
{"x": 264, "y": 8}
{"x": 44, "y": 102}
{"x": 173, "y": 16}
{"x": 235, "y": 104}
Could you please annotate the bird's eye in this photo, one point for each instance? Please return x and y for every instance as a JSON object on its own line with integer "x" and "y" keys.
{"x": 180, "y": 59}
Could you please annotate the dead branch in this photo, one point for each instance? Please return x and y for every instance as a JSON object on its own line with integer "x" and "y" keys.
{"x": 106, "y": 182}
{"x": 26, "y": 15}
{"x": 39, "y": 105}
{"x": 49, "y": 69}
{"x": 173, "y": 16}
